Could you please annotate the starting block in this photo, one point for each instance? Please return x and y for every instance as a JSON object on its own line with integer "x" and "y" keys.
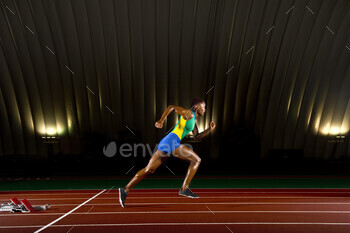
{"x": 29, "y": 207}
{"x": 15, "y": 201}
{"x": 23, "y": 206}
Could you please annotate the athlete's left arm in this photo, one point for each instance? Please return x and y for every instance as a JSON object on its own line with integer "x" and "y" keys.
{"x": 199, "y": 136}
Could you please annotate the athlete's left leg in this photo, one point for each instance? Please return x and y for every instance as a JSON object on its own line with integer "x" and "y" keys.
{"x": 157, "y": 159}
{"x": 185, "y": 153}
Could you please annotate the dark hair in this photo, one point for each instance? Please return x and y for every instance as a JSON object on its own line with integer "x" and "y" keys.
{"x": 196, "y": 101}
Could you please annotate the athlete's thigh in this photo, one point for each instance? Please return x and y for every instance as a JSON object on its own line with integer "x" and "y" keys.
{"x": 185, "y": 153}
{"x": 157, "y": 159}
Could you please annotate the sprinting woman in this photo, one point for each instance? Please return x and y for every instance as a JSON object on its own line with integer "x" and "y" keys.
{"x": 170, "y": 145}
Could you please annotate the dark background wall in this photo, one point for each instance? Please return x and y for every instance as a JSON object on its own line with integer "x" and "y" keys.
{"x": 275, "y": 75}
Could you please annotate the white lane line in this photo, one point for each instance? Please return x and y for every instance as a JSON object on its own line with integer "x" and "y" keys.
{"x": 191, "y": 212}
{"x": 265, "y": 192}
{"x": 45, "y": 194}
{"x": 347, "y": 47}
{"x": 219, "y": 203}
{"x": 202, "y": 197}
{"x": 187, "y": 224}
{"x": 223, "y": 197}
{"x": 58, "y": 219}
{"x": 257, "y": 192}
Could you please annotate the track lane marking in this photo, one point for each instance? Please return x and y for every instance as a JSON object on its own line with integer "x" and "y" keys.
{"x": 176, "y": 197}
{"x": 215, "y": 203}
{"x": 186, "y": 224}
{"x": 65, "y": 215}
{"x": 190, "y": 212}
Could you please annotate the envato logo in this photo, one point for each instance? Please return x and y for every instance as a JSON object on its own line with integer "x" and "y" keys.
{"x": 127, "y": 150}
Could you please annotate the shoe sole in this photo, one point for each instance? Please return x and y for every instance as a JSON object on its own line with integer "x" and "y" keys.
{"x": 120, "y": 199}
{"x": 187, "y": 196}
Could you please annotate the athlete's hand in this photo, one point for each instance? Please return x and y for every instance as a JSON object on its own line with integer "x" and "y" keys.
{"x": 212, "y": 125}
{"x": 159, "y": 124}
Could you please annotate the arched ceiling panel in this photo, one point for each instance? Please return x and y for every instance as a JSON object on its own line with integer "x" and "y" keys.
{"x": 72, "y": 68}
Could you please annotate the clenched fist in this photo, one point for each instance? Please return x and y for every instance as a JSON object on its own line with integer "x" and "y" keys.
{"x": 159, "y": 124}
{"x": 212, "y": 125}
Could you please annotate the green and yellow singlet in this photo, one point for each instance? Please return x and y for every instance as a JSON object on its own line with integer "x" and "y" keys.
{"x": 183, "y": 126}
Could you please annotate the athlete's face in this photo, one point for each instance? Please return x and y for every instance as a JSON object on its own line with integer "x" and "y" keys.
{"x": 201, "y": 109}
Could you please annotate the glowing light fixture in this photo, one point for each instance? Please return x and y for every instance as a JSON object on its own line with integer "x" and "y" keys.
{"x": 334, "y": 129}
{"x": 51, "y": 130}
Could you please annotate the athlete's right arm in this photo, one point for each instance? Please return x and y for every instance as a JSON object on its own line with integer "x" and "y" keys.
{"x": 179, "y": 110}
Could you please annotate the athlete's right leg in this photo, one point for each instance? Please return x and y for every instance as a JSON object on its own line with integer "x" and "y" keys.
{"x": 185, "y": 153}
{"x": 156, "y": 160}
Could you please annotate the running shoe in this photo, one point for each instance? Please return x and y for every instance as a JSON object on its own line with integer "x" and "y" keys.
{"x": 122, "y": 196}
{"x": 188, "y": 193}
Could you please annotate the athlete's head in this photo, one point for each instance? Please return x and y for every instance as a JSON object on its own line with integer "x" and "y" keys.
{"x": 198, "y": 105}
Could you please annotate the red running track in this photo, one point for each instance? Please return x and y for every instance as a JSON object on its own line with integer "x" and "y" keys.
{"x": 218, "y": 210}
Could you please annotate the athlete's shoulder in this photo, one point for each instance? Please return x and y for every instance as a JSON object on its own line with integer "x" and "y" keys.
{"x": 187, "y": 114}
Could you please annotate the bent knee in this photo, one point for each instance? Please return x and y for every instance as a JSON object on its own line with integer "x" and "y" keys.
{"x": 144, "y": 172}
{"x": 197, "y": 160}
{"x": 149, "y": 170}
